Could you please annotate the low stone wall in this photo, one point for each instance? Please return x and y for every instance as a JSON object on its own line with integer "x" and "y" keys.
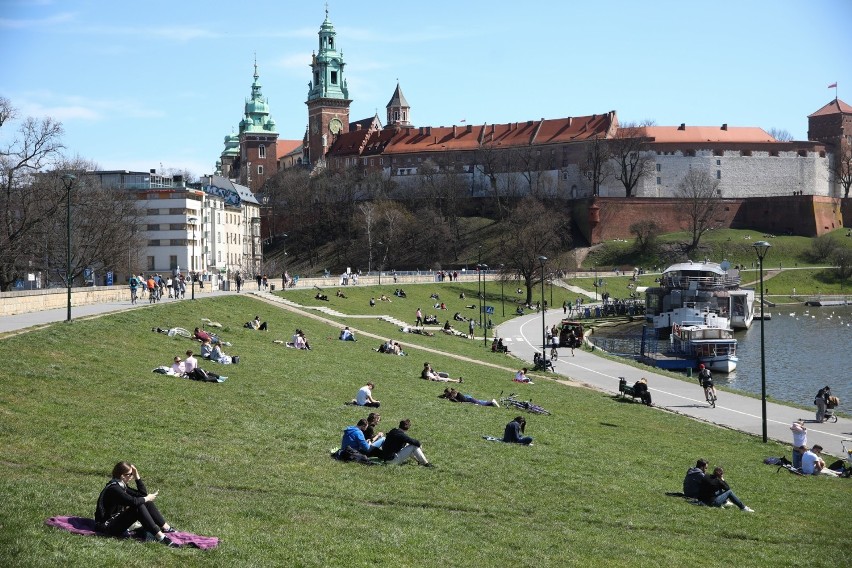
{"x": 25, "y": 301}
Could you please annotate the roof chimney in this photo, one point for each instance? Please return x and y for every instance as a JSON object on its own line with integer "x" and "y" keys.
{"x": 682, "y": 126}
{"x": 469, "y": 128}
{"x": 570, "y": 121}
{"x": 725, "y": 126}
{"x": 455, "y": 131}
{"x": 357, "y": 126}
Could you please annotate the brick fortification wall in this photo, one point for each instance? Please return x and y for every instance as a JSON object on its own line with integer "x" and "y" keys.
{"x": 846, "y": 211}
{"x": 805, "y": 215}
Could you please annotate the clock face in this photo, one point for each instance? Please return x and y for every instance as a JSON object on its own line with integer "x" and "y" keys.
{"x": 334, "y": 125}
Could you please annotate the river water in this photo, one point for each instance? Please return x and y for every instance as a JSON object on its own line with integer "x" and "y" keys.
{"x": 807, "y": 348}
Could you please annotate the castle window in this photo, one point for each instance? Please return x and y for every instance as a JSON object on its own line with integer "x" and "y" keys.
{"x": 690, "y": 153}
{"x": 718, "y": 174}
{"x": 718, "y": 153}
{"x": 718, "y": 162}
{"x": 659, "y": 167}
{"x": 773, "y": 153}
{"x": 261, "y": 151}
{"x": 659, "y": 180}
{"x": 334, "y": 77}
{"x": 331, "y": 43}
{"x": 745, "y": 153}
{"x": 822, "y": 153}
{"x": 260, "y": 170}
{"x": 803, "y": 153}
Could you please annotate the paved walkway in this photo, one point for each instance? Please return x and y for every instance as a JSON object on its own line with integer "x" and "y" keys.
{"x": 523, "y": 336}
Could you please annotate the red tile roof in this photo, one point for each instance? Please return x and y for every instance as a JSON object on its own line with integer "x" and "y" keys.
{"x": 284, "y": 147}
{"x": 836, "y": 106}
{"x": 442, "y": 138}
{"x": 686, "y": 134}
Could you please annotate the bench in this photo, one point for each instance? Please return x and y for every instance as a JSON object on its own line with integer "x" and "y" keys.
{"x": 626, "y": 390}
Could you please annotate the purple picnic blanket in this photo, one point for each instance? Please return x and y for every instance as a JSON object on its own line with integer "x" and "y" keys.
{"x": 86, "y": 527}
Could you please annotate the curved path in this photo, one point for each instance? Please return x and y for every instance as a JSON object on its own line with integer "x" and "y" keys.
{"x": 523, "y": 336}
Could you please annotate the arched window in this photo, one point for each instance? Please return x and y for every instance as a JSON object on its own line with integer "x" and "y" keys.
{"x": 261, "y": 151}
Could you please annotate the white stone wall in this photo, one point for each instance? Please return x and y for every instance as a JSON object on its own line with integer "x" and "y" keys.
{"x": 758, "y": 175}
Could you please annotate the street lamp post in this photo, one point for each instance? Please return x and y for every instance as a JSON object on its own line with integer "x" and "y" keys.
{"x": 543, "y": 259}
{"x": 484, "y": 317}
{"x": 761, "y": 248}
{"x": 596, "y": 283}
{"x": 194, "y": 220}
{"x": 284, "y": 262}
{"x": 68, "y": 182}
{"x": 502, "y": 299}
{"x": 479, "y": 283}
{"x": 382, "y": 263}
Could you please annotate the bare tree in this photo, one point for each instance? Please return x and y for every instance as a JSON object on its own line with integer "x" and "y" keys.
{"x": 491, "y": 160}
{"x": 780, "y": 134}
{"x": 27, "y": 199}
{"x": 368, "y": 213}
{"x": 596, "y": 168}
{"x": 631, "y": 158}
{"x": 529, "y": 232}
{"x": 842, "y": 170}
{"x": 701, "y": 198}
{"x": 646, "y": 233}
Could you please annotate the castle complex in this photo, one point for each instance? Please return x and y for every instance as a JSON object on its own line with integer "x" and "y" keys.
{"x": 547, "y": 157}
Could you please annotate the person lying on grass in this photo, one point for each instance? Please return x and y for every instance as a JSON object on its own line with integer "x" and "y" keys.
{"x": 455, "y": 396}
{"x": 119, "y": 506}
{"x": 430, "y": 374}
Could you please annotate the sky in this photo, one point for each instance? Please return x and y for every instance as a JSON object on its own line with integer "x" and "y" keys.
{"x": 156, "y": 84}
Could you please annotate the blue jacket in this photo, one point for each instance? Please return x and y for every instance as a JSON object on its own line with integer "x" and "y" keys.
{"x": 354, "y": 437}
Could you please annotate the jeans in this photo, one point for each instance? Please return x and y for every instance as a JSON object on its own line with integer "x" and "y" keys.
{"x": 407, "y": 452}
{"x": 820, "y": 413}
{"x": 797, "y": 458}
{"x": 720, "y": 499}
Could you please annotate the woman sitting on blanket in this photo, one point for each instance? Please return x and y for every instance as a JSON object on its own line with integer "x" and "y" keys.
{"x": 515, "y": 430}
{"x": 455, "y": 396}
{"x": 119, "y": 506}
{"x": 219, "y": 356}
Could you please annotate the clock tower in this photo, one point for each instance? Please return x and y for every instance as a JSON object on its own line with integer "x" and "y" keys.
{"x": 328, "y": 96}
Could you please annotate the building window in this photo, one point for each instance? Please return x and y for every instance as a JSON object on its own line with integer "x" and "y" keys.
{"x": 151, "y": 263}
{"x": 745, "y": 153}
{"x": 260, "y": 170}
{"x": 219, "y": 256}
{"x": 173, "y": 262}
{"x": 261, "y": 151}
{"x": 154, "y": 243}
{"x": 659, "y": 167}
{"x": 690, "y": 153}
{"x": 718, "y": 174}
{"x": 153, "y": 227}
{"x": 659, "y": 180}
{"x": 718, "y": 153}
{"x": 773, "y": 153}
{"x": 334, "y": 77}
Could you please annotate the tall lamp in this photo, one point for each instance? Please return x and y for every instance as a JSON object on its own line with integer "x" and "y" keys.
{"x": 485, "y": 304}
{"x": 68, "y": 182}
{"x": 761, "y": 248}
{"x": 192, "y": 220}
{"x": 543, "y": 259}
{"x": 284, "y": 261}
{"x": 479, "y": 283}
{"x": 502, "y": 299}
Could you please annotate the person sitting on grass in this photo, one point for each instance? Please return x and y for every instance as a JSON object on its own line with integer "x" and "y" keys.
{"x": 384, "y": 298}
{"x": 375, "y": 439}
{"x": 347, "y": 335}
{"x": 219, "y": 356}
{"x": 353, "y": 437}
{"x": 365, "y": 397}
{"x": 178, "y": 368}
{"x": 119, "y": 506}
{"x": 341, "y": 294}
{"x": 813, "y": 464}
{"x": 455, "y": 396}
{"x": 372, "y": 302}
{"x": 513, "y": 434}
{"x": 256, "y": 325}
{"x": 716, "y": 492}
{"x": 430, "y": 374}
{"x": 694, "y": 479}
{"x": 399, "y": 446}
{"x": 202, "y": 335}
{"x": 321, "y": 296}
{"x": 521, "y": 377}
{"x": 206, "y": 349}
{"x": 640, "y": 389}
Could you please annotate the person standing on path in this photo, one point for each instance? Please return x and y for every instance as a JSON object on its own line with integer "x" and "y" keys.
{"x": 821, "y": 401}
{"x": 419, "y": 315}
{"x": 470, "y": 326}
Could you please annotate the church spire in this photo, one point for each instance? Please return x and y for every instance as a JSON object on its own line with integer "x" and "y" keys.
{"x": 399, "y": 112}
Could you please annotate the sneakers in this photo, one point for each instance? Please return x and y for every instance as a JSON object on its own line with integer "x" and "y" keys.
{"x": 727, "y": 504}
{"x": 461, "y": 380}
{"x": 428, "y": 464}
{"x": 169, "y": 542}
{"x": 495, "y": 403}
{"x": 748, "y": 510}
{"x": 169, "y": 530}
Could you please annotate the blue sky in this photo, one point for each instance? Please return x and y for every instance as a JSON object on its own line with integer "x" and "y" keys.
{"x": 140, "y": 84}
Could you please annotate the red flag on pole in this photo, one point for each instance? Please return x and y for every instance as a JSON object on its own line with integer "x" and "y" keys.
{"x": 833, "y": 86}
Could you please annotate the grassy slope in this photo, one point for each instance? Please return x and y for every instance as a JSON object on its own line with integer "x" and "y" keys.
{"x": 246, "y": 460}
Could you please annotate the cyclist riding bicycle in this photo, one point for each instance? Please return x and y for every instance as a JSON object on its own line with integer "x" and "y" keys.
{"x": 705, "y": 379}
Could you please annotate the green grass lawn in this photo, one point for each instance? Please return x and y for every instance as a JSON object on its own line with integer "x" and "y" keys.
{"x": 247, "y": 460}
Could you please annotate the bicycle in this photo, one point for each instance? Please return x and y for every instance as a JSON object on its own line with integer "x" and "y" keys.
{"x": 710, "y": 396}
{"x": 554, "y": 354}
{"x": 512, "y": 401}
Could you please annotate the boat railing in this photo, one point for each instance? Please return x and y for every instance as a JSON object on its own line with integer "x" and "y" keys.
{"x": 701, "y": 282}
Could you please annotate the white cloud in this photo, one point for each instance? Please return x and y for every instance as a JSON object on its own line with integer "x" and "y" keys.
{"x": 68, "y": 107}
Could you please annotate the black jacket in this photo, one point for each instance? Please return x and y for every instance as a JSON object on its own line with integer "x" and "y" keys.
{"x": 394, "y": 442}
{"x": 114, "y": 498}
